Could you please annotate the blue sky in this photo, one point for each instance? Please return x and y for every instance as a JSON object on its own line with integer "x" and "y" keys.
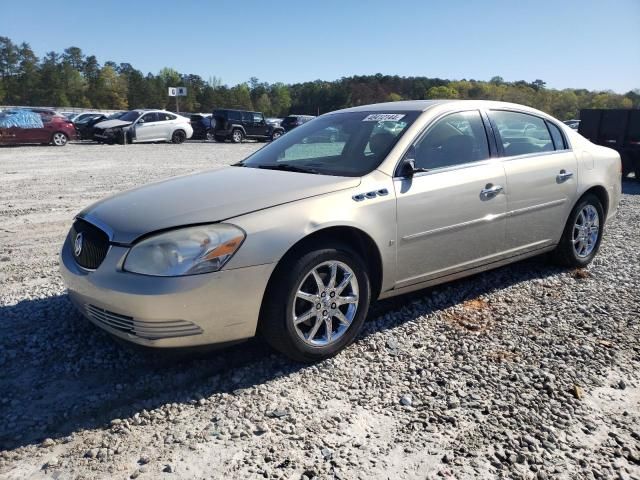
{"x": 591, "y": 44}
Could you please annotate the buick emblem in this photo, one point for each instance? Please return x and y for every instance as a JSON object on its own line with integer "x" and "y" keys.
{"x": 77, "y": 245}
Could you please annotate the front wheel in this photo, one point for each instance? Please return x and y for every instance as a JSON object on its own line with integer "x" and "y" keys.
{"x": 59, "y": 139}
{"x": 178, "y": 136}
{"x": 582, "y": 233}
{"x": 316, "y": 304}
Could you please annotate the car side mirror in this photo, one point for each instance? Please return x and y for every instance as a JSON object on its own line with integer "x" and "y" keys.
{"x": 408, "y": 168}
{"x": 141, "y": 121}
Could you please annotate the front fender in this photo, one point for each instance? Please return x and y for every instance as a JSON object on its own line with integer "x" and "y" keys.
{"x": 273, "y": 232}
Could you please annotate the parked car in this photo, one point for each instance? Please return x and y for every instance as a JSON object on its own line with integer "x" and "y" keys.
{"x": 615, "y": 128}
{"x": 293, "y": 121}
{"x": 298, "y": 239}
{"x": 202, "y": 126}
{"x": 572, "y": 124}
{"x": 138, "y": 126}
{"x": 274, "y": 121}
{"x": 237, "y": 125}
{"x": 78, "y": 117}
{"x": 85, "y": 126}
{"x": 23, "y": 126}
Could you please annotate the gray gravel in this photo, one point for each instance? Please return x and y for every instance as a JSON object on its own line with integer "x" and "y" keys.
{"x": 528, "y": 371}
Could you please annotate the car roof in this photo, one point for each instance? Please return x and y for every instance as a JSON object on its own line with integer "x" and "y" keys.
{"x": 424, "y": 105}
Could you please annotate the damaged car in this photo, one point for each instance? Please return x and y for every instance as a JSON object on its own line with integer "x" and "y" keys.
{"x": 138, "y": 126}
{"x": 24, "y": 126}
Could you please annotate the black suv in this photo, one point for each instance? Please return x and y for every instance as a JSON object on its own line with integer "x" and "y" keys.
{"x": 236, "y": 125}
{"x": 293, "y": 121}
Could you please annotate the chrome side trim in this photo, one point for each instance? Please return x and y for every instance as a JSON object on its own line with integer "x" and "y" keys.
{"x": 457, "y": 226}
{"x": 533, "y": 208}
{"x": 486, "y": 219}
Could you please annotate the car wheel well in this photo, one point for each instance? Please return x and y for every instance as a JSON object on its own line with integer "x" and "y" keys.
{"x": 600, "y": 192}
{"x": 351, "y": 237}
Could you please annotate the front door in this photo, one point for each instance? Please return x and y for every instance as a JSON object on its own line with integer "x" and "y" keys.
{"x": 541, "y": 178}
{"x": 149, "y": 129}
{"x": 452, "y": 217}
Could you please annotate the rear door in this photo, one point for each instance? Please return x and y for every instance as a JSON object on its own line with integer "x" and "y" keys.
{"x": 248, "y": 124}
{"x": 541, "y": 179}
{"x": 452, "y": 217}
{"x": 167, "y": 123}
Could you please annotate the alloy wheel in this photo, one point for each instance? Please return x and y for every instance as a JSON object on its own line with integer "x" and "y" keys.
{"x": 585, "y": 231}
{"x": 325, "y": 303}
{"x": 59, "y": 139}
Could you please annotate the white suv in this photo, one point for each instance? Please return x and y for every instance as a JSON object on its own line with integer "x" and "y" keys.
{"x": 144, "y": 126}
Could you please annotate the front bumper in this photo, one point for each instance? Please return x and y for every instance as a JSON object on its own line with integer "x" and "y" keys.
{"x": 163, "y": 312}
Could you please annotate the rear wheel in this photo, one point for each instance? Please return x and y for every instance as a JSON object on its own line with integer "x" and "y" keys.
{"x": 582, "y": 233}
{"x": 316, "y": 304}
{"x": 237, "y": 136}
{"x": 178, "y": 136}
{"x": 59, "y": 139}
{"x": 276, "y": 135}
{"x": 210, "y": 136}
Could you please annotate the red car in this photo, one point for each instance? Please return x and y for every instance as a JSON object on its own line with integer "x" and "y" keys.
{"x": 35, "y": 126}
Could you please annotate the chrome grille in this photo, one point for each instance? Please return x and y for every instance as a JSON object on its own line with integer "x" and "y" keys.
{"x": 142, "y": 329}
{"x": 93, "y": 241}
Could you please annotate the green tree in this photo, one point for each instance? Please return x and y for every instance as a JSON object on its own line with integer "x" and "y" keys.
{"x": 112, "y": 89}
{"x": 442, "y": 92}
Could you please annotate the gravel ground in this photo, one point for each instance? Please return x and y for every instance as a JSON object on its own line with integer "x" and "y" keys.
{"x": 528, "y": 371}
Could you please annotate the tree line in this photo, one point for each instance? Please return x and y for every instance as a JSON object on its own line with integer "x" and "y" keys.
{"x": 72, "y": 78}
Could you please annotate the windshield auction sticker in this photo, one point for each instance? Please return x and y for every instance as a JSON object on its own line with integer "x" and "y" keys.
{"x": 383, "y": 117}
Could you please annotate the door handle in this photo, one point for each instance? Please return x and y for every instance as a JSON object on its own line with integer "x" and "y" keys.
{"x": 490, "y": 191}
{"x": 563, "y": 176}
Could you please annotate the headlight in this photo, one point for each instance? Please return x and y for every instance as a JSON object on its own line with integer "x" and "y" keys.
{"x": 186, "y": 251}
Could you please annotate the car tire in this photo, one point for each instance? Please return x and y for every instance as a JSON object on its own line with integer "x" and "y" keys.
{"x": 59, "y": 139}
{"x": 210, "y": 136}
{"x": 295, "y": 292}
{"x": 582, "y": 234}
{"x": 179, "y": 136}
{"x": 237, "y": 136}
{"x": 275, "y": 135}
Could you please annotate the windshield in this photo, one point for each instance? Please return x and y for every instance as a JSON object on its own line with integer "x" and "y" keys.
{"x": 131, "y": 116}
{"x": 346, "y": 144}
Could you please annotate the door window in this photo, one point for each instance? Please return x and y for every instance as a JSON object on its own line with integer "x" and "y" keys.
{"x": 247, "y": 117}
{"x": 558, "y": 139}
{"x": 258, "y": 118}
{"x": 455, "y": 139}
{"x": 521, "y": 133}
{"x": 163, "y": 117}
{"x": 150, "y": 117}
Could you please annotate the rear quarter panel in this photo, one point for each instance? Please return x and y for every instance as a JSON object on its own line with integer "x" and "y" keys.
{"x": 598, "y": 167}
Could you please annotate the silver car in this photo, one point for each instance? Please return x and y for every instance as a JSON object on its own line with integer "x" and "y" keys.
{"x": 298, "y": 239}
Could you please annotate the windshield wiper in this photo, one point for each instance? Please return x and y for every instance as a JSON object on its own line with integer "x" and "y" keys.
{"x": 289, "y": 168}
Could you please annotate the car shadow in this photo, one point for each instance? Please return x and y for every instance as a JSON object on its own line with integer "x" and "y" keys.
{"x": 59, "y": 374}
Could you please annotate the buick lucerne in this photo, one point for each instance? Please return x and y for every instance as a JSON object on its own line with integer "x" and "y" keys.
{"x": 364, "y": 203}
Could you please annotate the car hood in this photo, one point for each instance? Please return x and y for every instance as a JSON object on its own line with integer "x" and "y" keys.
{"x": 111, "y": 124}
{"x": 205, "y": 197}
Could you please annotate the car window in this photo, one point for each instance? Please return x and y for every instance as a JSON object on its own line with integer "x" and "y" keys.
{"x": 556, "y": 135}
{"x": 247, "y": 117}
{"x": 521, "y": 133}
{"x": 257, "y": 117}
{"x": 165, "y": 116}
{"x": 150, "y": 117}
{"x": 350, "y": 144}
{"x": 234, "y": 116}
{"x": 455, "y": 139}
